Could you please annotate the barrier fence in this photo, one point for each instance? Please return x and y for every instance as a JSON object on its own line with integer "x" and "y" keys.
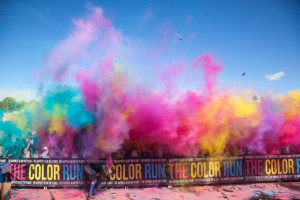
{"x": 149, "y": 172}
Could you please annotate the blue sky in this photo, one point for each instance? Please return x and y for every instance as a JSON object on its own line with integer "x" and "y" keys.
{"x": 258, "y": 37}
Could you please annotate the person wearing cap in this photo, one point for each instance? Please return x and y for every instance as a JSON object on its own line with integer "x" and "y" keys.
{"x": 44, "y": 152}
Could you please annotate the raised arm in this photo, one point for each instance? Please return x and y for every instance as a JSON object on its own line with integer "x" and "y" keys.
{"x": 28, "y": 145}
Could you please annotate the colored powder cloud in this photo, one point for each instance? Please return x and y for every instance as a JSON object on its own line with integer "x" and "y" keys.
{"x": 106, "y": 108}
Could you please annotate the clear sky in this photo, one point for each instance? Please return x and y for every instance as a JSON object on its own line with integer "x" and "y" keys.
{"x": 258, "y": 37}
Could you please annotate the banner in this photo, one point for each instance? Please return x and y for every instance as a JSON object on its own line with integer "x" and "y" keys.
{"x": 161, "y": 172}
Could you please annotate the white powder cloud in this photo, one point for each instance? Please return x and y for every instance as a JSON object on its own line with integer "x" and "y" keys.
{"x": 275, "y": 77}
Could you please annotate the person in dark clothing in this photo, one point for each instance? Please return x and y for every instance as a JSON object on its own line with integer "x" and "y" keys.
{"x": 95, "y": 170}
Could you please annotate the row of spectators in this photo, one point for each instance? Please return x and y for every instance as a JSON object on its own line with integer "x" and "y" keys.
{"x": 32, "y": 150}
{"x": 29, "y": 148}
{"x": 32, "y": 147}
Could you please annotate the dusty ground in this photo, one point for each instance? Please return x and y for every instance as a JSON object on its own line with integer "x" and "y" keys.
{"x": 287, "y": 190}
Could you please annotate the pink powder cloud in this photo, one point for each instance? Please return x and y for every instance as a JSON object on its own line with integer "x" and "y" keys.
{"x": 193, "y": 35}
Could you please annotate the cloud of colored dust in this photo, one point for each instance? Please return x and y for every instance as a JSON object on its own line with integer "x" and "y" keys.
{"x": 105, "y": 106}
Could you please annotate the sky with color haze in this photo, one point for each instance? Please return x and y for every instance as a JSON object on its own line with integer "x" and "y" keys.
{"x": 257, "y": 37}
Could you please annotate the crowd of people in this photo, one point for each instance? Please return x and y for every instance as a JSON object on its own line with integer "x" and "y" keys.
{"x": 33, "y": 147}
{"x": 32, "y": 150}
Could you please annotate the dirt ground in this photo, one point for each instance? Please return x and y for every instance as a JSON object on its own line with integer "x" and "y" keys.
{"x": 284, "y": 190}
